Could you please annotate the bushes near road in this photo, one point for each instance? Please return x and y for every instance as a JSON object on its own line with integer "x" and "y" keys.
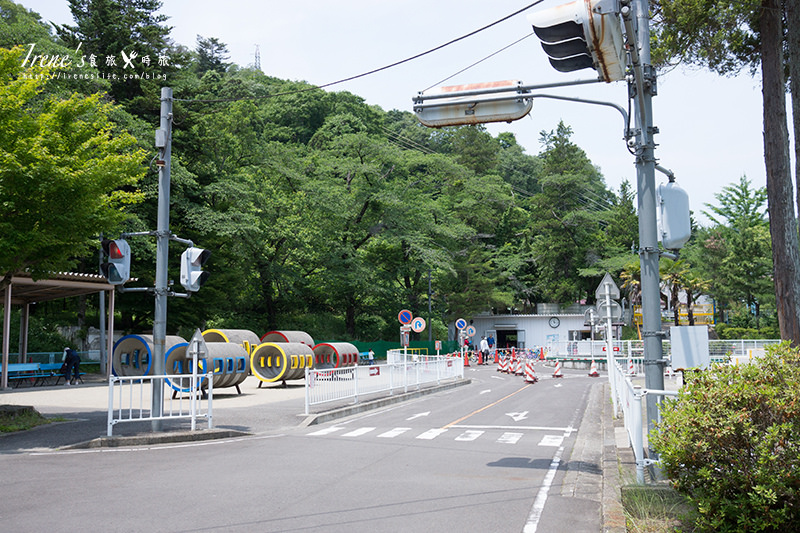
{"x": 731, "y": 442}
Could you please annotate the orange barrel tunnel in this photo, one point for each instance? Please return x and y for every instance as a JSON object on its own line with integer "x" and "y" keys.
{"x": 335, "y": 355}
{"x": 276, "y": 361}
{"x": 245, "y": 337}
{"x": 288, "y": 336}
{"x": 133, "y": 354}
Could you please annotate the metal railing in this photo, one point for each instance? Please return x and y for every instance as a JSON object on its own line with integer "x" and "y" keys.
{"x": 336, "y": 384}
{"x": 628, "y": 397}
{"x": 719, "y": 350}
{"x": 130, "y": 398}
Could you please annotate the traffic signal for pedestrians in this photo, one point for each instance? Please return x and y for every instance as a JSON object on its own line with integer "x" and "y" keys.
{"x": 583, "y": 34}
{"x": 117, "y": 269}
{"x": 192, "y": 275}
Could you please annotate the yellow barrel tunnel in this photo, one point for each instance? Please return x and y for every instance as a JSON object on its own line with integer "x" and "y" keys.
{"x": 274, "y": 361}
{"x": 245, "y": 337}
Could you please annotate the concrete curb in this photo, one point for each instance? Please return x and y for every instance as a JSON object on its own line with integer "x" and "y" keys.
{"x": 613, "y": 513}
{"x": 158, "y": 438}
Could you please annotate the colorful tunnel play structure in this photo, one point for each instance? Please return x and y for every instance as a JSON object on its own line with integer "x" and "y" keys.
{"x": 233, "y": 354}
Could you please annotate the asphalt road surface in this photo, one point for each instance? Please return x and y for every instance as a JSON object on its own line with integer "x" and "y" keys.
{"x": 494, "y": 456}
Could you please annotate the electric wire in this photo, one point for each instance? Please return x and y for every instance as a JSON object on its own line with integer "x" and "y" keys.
{"x": 370, "y": 72}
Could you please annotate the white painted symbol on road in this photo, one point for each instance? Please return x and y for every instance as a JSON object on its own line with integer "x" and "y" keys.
{"x": 485, "y": 391}
{"x": 393, "y": 433}
{"x": 509, "y": 438}
{"x": 518, "y": 416}
{"x": 557, "y": 385}
{"x": 498, "y": 377}
{"x": 418, "y": 415}
{"x": 358, "y": 432}
{"x": 469, "y": 435}
{"x": 552, "y": 440}
{"x": 431, "y": 434}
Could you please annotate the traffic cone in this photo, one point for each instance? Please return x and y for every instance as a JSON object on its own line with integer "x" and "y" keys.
{"x": 593, "y": 370}
{"x": 530, "y": 373}
{"x": 519, "y": 370}
{"x": 557, "y": 372}
{"x": 466, "y": 359}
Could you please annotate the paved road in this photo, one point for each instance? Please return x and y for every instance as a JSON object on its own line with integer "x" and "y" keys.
{"x": 494, "y": 455}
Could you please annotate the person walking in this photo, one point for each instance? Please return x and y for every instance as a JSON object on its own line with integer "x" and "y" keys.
{"x": 72, "y": 362}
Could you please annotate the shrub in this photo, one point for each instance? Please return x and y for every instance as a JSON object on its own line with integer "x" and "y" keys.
{"x": 731, "y": 442}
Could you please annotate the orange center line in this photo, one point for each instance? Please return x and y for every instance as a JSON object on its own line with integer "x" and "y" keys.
{"x": 484, "y": 408}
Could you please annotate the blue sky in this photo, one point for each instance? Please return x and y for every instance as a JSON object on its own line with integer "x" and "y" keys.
{"x": 710, "y": 126}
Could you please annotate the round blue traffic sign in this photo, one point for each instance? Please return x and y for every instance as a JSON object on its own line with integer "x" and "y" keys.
{"x": 405, "y": 316}
{"x": 461, "y": 323}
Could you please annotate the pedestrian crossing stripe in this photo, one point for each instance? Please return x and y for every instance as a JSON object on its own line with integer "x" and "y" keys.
{"x": 467, "y": 435}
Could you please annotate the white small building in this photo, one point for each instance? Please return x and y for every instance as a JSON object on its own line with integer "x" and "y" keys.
{"x": 550, "y": 326}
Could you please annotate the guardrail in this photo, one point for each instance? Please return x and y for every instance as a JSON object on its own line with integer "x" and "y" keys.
{"x": 628, "y": 397}
{"x": 335, "y": 384}
{"x": 130, "y": 398}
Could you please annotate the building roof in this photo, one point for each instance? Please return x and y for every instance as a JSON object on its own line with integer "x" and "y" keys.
{"x": 25, "y": 290}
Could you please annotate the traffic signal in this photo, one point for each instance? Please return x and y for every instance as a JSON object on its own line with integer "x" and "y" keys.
{"x": 583, "y": 34}
{"x": 192, "y": 275}
{"x": 118, "y": 267}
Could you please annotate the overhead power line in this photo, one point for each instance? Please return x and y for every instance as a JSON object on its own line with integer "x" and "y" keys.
{"x": 370, "y": 72}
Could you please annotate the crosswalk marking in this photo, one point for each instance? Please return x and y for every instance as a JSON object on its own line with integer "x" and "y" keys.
{"x": 469, "y": 435}
{"x": 431, "y": 433}
{"x": 552, "y": 440}
{"x": 326, "y": 431}
{"x": 393, "y": 433}
{"x": 509, "y": 438}
{"x": 358, "y": 432}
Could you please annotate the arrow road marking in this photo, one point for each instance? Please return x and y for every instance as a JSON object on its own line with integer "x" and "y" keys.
{"x": 418, "y": 415}
{"x": 485, "y": 391}
{"x": 518, "y": 416}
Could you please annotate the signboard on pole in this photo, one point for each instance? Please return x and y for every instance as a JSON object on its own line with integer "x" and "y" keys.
{"x": 405, "y": 316}
{"x": 600, "y": 293}
{"x": 418, "y": 324}
{"x": 471, "y": 331}
{"x": 461, "y": 323}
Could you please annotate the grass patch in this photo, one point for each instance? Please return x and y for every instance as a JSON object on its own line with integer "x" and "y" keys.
{"x": 656, "y": 509}
{"x": 19, "y": 418}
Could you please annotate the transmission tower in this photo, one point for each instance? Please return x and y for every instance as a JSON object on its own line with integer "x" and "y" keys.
{"x": 258, "y": 58}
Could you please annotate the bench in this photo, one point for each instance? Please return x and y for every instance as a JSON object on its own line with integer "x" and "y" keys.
{"x": 37, "y": 373}
{"x": 19, "y": 372}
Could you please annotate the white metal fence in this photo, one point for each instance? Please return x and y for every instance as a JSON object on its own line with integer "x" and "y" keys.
{"x": 720, "y": 350}
{"x": 130, "y": 398}
{"x": 335, "y": 384}
{"x": 627, "y": 397}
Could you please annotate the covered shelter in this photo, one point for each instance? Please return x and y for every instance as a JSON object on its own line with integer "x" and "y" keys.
{"x": 23, "y": 290}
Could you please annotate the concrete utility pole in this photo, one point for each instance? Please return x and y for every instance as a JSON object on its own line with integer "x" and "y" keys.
{"x": 163, "y": 137}
{"x": 646, "y": 88}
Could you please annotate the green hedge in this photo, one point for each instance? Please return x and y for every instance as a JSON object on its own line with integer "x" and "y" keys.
{"x": 731, "y": 442}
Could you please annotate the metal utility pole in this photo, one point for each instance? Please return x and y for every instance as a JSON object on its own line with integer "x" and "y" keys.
{"x": 164, "y": 143}
{"x": 645, "y": 88}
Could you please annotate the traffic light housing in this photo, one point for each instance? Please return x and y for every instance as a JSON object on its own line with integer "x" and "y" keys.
{"x": 117, "y": 269}
{"x": 583, "y": 34}
{"x": 192, "y": 275}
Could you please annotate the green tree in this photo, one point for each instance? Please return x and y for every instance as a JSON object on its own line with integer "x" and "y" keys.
{"x": 727, "y": 38}
{"x": 736, "y": 253}
{"x": 67, "y": 173}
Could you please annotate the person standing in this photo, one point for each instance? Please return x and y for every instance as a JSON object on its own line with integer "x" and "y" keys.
{"x": 484, "y": 347}
{"x": 371, "y": 356}
{"x": 72, "y": 362}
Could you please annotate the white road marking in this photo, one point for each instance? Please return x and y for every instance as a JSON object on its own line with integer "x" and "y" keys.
{"x": 358, "y": 432}
{"x": 469, "y": 435}
{"x": 392, "y": 433}
{"x": 326, "y": 431}
{"x": 431, "y": 434}
{"x": 551, "y": 440}
{"x": 509, "y": 438}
